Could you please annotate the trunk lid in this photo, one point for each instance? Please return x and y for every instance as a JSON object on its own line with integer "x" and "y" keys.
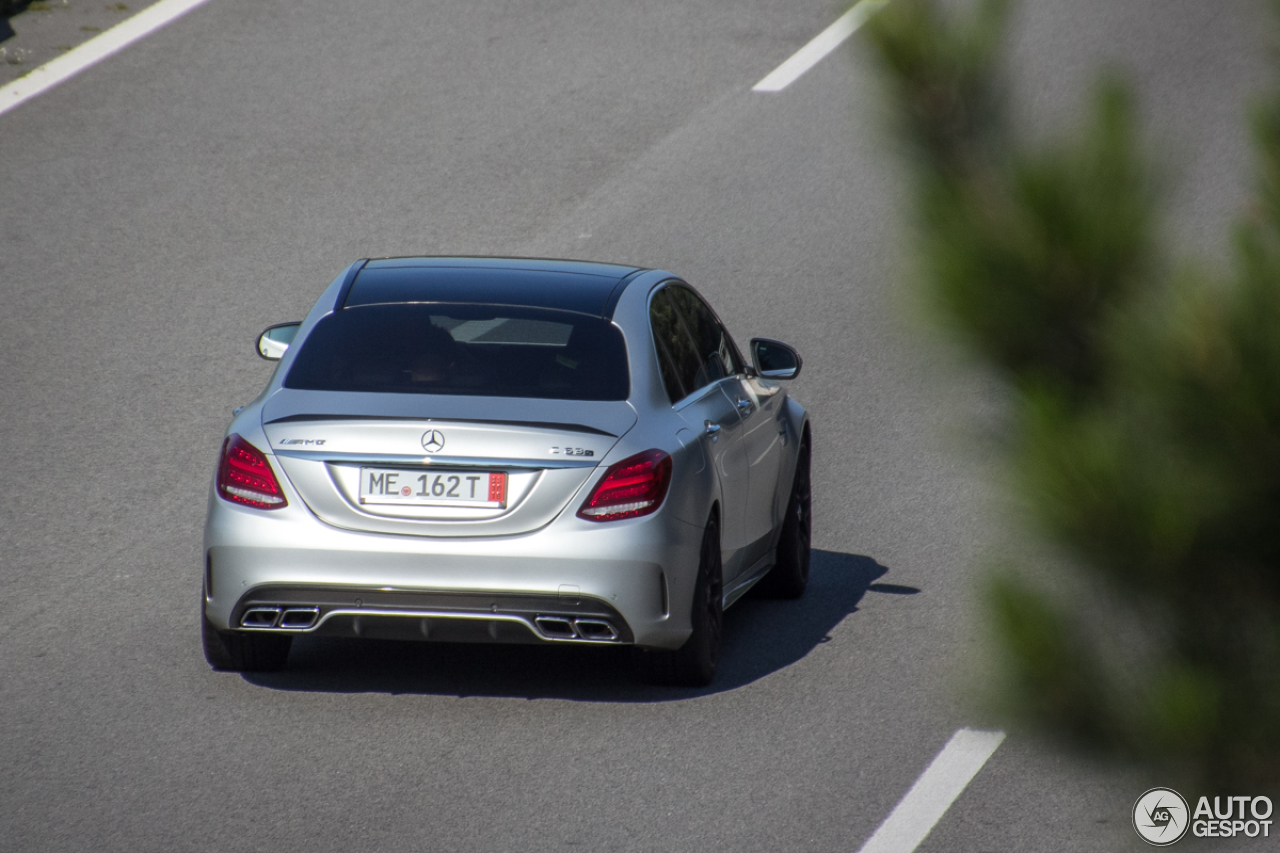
{"x": 339, "y": 449}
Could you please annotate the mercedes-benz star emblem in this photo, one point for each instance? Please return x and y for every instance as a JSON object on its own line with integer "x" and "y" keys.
{"x": 433, "y": 441}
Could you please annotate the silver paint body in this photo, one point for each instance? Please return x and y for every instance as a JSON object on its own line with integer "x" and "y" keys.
{"x": 643, "y": 569}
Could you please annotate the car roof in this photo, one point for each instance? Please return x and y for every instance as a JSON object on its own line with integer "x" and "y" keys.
{"x": 583, "y": 287}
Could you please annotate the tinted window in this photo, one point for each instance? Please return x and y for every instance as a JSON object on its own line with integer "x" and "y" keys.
{"x": 670, "y": 378}
{"x": 677, "y": 353}
{"x": 717, "y": 356}
{"x": 497, "y": 351}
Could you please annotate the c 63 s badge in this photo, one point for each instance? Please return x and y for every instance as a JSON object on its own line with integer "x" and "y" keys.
{"x": 572, "y": 451}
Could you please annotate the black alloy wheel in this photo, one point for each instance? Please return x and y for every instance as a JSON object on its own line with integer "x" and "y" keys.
{"x": 693, "y": 664}
{"x": 790, "y": 574}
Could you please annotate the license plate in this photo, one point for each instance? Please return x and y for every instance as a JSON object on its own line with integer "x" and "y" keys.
{"x": 415, "y": 487}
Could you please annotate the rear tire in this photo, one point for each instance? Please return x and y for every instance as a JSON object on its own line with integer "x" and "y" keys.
{"x": 693, "y": 664}
{"x": 790, "y": 573}
{"x": 240, "y": 651}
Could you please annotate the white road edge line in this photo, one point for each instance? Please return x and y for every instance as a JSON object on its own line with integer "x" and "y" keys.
{"x": 934, "y": 792}
{"x": 823, "y": 43}
{"x": 93, "y": 51}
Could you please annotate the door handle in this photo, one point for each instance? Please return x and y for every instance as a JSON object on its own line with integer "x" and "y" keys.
{"x": 711, "y": 428}
{"x": 744, "y": 404}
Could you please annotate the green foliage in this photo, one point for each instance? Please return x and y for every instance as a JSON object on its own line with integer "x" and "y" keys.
{"x": 1145, "y": 423}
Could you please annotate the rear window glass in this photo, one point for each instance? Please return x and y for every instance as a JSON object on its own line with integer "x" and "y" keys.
{"x": 480, "y": 350}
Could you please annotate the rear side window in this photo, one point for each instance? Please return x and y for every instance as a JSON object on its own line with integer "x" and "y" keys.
{"x": 719, "y": 357}
{"x": 677, "y": 354}
{"x": 478, "y": 350}
{"x": 693, "y": 348}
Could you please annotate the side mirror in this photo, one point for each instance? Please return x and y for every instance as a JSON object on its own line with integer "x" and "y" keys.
{"x": 774, "y": 359}
{"x": 274, "y": 340}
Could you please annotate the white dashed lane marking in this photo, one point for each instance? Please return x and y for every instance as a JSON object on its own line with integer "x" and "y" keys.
{"x": 823, "y": 43}
{"x": 934, "y": 792}
{"x": 93, "y": 51}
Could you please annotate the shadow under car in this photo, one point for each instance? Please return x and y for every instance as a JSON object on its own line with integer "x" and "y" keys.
{"x": 761, "y": 636}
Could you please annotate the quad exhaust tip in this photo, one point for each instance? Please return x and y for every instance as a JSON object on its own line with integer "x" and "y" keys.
{"x": 556, "y": 627}
{"x": 285, "y": 618}
{"x": 260, "y": 617}
{"x": 563, "y": 628}
{"x": 303, "y": 618}
{"x": 299, "y": 618}
{"x": 595, "y": 629}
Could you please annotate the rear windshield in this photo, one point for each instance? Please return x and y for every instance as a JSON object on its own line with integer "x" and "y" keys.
{"x": 481, "y": 350}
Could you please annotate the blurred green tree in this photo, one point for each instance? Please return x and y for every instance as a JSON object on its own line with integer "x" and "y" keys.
{"x": 1144, "y": 428}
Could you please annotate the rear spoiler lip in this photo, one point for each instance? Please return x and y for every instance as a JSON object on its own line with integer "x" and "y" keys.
{"x": 612, "y": 418}
{"x": 563, "y": 427}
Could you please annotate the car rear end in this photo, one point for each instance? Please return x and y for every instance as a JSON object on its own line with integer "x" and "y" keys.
{"x": 455, "y": 471}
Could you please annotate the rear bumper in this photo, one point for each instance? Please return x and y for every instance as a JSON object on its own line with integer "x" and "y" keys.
{"x": 573, "y": 581}
{"x": 422, "y": 615}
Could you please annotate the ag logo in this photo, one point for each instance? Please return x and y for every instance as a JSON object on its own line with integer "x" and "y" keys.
{"x": 433, "y": 441}
{"x": 1160, "y": 816}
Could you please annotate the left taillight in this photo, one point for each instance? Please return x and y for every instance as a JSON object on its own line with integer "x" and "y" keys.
{"x": 633, "y": 487}
{"x": 245, "y": 476}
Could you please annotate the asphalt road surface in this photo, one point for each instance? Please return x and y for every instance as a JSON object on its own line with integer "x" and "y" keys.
{"x": 161, "y": 208}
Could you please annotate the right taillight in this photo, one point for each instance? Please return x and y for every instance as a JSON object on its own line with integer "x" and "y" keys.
{"x": 245, "y": 476}
{"x": 633, "y": 487}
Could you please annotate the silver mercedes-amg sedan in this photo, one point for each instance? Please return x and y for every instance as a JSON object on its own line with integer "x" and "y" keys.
{"x": 507, "y": 450}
